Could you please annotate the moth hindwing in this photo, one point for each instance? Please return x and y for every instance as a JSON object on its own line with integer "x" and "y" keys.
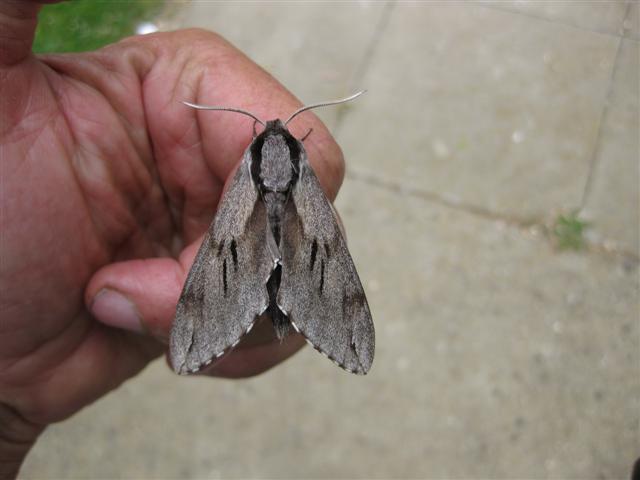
{"x": 274, "y": 246}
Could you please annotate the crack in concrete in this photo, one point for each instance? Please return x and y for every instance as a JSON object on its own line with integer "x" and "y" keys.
{"x": 560, "y": 22}
{"x": 534, "y": 226}
{"x": 593, "y": 164}
{"x": 365, "y": 61}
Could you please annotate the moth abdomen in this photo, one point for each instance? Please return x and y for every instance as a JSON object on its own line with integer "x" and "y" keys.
{"x": 279, "y": 319}
{"x": 275, "y": 203}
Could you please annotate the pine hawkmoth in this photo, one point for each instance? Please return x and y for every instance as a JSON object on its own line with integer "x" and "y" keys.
{"x": 273, "y": 247}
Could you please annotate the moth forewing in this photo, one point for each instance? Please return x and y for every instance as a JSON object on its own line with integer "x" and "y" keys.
{"x": 225, "y": 289}
{"x": 320, "y": 288}
{"x": 274, "y": 246}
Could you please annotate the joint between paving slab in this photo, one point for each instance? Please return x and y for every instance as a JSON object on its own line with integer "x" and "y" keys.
{"x": 593, "y": 164}
{"x": 534, "y": 226}
{"x": 618, "y": 34}
{"x": 365, "y": 61}
{"x": 397, "y": 187}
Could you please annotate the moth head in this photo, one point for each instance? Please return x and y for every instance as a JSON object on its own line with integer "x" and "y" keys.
{"x": 285, "y": 123}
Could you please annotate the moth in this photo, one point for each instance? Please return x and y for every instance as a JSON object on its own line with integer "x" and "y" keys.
{"x": 273, "y": 247}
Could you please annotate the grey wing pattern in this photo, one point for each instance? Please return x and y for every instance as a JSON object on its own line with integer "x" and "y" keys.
{"x": 226, "y": 288}
{"x": 320, "y": 289}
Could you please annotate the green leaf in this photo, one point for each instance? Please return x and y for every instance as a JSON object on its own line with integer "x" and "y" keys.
{"x": 82, "y": 25}
{"x": 569, "y": 231}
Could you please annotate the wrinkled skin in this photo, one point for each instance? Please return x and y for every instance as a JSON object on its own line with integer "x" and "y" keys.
{"x": 108, "y": 183}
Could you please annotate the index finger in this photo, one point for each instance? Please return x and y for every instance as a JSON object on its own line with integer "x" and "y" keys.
{"x": 198, "y": 150}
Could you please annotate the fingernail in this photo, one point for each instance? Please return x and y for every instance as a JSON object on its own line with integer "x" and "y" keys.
{"x": 114, "y": 309}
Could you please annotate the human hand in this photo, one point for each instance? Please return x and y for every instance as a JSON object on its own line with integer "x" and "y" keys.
{"x": 108, "y": 183}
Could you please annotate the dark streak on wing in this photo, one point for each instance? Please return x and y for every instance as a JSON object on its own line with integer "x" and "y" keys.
{"x": 234, "y": 253}
{"x": 314, "y": 252}
{"x": 224, "y": 276}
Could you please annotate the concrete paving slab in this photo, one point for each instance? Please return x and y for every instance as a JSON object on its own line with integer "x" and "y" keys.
{"x": 613, "y": 201}
{"x": 497, "y": 358}
{"x": 312, "y": 49}
{"x": 599, "y": 16}
{"x": 503, "y": 116}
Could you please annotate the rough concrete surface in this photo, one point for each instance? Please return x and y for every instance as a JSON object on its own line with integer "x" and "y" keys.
{"x": 498, "y": 355}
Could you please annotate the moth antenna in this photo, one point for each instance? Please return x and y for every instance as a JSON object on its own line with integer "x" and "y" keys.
{"x": 324, "y": 104}
{"x": 225, "y": 109}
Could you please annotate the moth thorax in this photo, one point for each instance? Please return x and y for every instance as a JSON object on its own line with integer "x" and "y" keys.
{"x": 276, "y": 170}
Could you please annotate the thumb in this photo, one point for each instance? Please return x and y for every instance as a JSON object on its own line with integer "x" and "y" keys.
{"x": 141, "y": 295}
{"x": 137, "y": 295}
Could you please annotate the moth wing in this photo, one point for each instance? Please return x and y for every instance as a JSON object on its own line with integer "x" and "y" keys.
{"x": 225, "y": 290}
{"x": 320, "y": 289}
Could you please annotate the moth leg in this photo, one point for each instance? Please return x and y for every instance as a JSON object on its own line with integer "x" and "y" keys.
{"x": 255, "y": 134}
{"x": 307, "y": 134}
